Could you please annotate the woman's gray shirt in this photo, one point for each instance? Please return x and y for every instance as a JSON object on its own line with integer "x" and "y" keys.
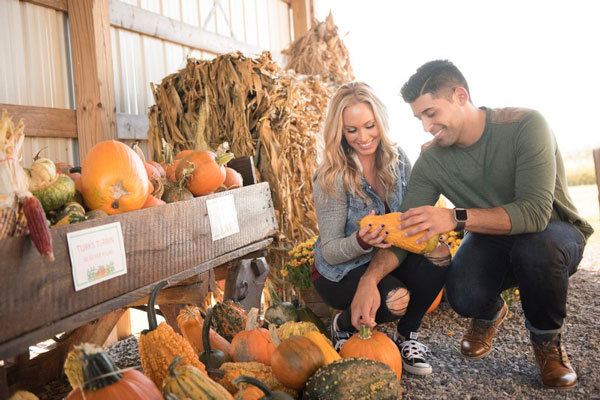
{"x": 337, "y": 250}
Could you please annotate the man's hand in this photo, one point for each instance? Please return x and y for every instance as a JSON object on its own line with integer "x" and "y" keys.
{"x": 365, "y": 303}
{"x": 433, "y": 220}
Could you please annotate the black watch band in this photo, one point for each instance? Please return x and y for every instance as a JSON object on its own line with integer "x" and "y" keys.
{"x": 460, "y": 216}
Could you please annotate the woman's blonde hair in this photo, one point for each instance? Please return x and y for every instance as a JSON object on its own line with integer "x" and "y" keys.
{"x": 337, "y": 158}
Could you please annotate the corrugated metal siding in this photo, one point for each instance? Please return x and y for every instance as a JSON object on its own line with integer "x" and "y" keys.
{"x": 139, "y": 60}
{"x": 37, "y": 71}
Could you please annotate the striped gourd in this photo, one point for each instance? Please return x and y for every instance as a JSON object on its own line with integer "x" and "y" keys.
{"x": 186, "y": 381}
{"x": 229, "y": 318}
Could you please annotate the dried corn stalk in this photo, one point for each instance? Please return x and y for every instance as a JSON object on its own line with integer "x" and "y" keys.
{"x": 262, "y": 111}
{"x": 321, "y": 52}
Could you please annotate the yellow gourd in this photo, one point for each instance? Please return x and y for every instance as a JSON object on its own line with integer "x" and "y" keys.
{"x": 291, "y": 328}
{"x": 396, "y": 236}
{"x": 329, "y": 353}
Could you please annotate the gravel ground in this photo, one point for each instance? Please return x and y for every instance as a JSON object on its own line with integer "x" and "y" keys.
{"x": 508, "y": 372}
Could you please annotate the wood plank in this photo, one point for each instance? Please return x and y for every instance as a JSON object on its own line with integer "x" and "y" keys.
{"x": 142, "y": 21}
{"x": 302, "y": 16}
{"x": 131, "y": 126}
{"x": 44, "y": 121}
{"x": 91, "y": 53}
{"x": 17, "y": 344}
{"x": 180, "y": 238}
{"x": 48, "y": 366}
{"x": 58, "y": 5}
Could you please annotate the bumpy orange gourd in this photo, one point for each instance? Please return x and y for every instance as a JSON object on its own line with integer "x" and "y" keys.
{"x": 113, "y": 178}
{"x": 396, "y": 236}
{"x": 159, "y": 345}
{"x": 375, "y": 346}
{"x": 254, "y": 343}
{"x": 208, "y": 171}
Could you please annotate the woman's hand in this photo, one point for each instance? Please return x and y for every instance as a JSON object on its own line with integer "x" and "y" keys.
{"x": 376, "y": 237}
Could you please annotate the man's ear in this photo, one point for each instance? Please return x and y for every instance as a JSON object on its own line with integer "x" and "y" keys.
{"x": 461, "y": 95}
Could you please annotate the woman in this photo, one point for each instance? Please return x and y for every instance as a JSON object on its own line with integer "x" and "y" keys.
{"x": 362, "y": 172}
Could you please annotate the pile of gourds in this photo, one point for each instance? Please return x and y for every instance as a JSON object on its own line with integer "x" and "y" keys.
{"x": 226, "y": 353}
{"x": 115, "y": 178}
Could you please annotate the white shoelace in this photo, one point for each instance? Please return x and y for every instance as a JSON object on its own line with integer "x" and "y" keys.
{"x": 412, "y": 349}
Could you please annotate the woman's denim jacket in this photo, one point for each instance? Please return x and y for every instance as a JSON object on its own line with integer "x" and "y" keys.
{"x": 357, "y": 209}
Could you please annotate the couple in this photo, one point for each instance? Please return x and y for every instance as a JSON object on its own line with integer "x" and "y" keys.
{"x": 503, "y": 171}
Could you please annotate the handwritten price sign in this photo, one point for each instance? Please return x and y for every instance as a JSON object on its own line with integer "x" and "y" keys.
{"x": 97, "y": 254}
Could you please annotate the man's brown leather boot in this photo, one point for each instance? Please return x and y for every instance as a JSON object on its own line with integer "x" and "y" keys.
{"x": 477, "y": 341}
{"x": 551, "y": 357}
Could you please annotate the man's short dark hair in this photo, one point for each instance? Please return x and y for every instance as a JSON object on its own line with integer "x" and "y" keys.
{"x": 438, "y": 77}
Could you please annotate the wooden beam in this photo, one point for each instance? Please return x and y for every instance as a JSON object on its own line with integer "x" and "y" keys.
{"x": 302, "y": 16}
{"x": 21, "y": 342}
{"x": 142, "y": 21}
{"x": 92, "y": 72}
{"x": 58, "y": 5}
{"x": 44, "y": 121}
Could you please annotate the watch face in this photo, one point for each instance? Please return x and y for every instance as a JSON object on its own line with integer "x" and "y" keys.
{"x": 460, "y": 214}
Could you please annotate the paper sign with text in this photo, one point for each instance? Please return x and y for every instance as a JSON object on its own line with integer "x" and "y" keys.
{"x": 97, "y": 254}
{"x": 222, "y": 216}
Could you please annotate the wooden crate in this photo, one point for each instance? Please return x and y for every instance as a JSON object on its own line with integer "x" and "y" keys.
{"x": 171, "y": 242}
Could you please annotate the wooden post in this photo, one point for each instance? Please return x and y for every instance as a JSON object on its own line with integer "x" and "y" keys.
{"x": 89, "y": 27}
{"x": 303, "y": 14}
{"x": 596, "y": 153}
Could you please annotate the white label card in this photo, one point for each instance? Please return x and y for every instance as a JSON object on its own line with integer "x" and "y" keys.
{"x": 97, "y": 254}
{"x": 222, "y": 216}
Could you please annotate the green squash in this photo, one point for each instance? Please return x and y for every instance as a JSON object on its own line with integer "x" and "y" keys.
{"x": 95, "y": 214}
{"x": 71, "y": 213}
{"x": 56, "y": 194}
{"x": 229, "y": 318}
{"x": 353, "y": 378}
{"x": 279, "y": 312}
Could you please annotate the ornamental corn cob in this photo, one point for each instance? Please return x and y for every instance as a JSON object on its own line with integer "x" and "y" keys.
{"x": 396, "y": 236}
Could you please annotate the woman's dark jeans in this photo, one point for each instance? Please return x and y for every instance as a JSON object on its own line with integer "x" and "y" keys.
{"x": 423, "y": 280}
{"x": 539, "y": 264}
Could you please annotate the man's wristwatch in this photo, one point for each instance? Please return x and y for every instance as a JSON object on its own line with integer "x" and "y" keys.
{"x": 460, "y": 216}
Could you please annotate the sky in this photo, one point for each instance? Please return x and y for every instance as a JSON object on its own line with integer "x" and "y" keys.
{"x": 536, "y": 54}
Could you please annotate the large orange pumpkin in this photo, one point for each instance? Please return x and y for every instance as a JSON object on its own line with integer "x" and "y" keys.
{"x": 295, "y": 360}
{"x": 208, "y": 171}
{"x": 374, "y": 345}
{"x": 113, "y": 178}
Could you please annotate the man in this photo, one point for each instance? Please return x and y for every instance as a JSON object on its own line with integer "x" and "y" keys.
{"x": 503, "y": 171}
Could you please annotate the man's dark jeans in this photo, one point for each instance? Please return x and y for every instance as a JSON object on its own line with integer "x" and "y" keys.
{"x": 538, "y": 263}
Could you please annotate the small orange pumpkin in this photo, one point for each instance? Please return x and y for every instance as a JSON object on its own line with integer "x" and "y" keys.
{"x": 113, "y": 178}
{"x": 208, "y": 171}
{"x": 435, "y": 303}
{"x": 374, "y": 345}
{"x": 254, "y": 343}
{"x": 152, "y": 201}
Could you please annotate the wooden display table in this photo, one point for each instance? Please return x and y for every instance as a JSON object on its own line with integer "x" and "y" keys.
{"x": 172, "y": 242}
